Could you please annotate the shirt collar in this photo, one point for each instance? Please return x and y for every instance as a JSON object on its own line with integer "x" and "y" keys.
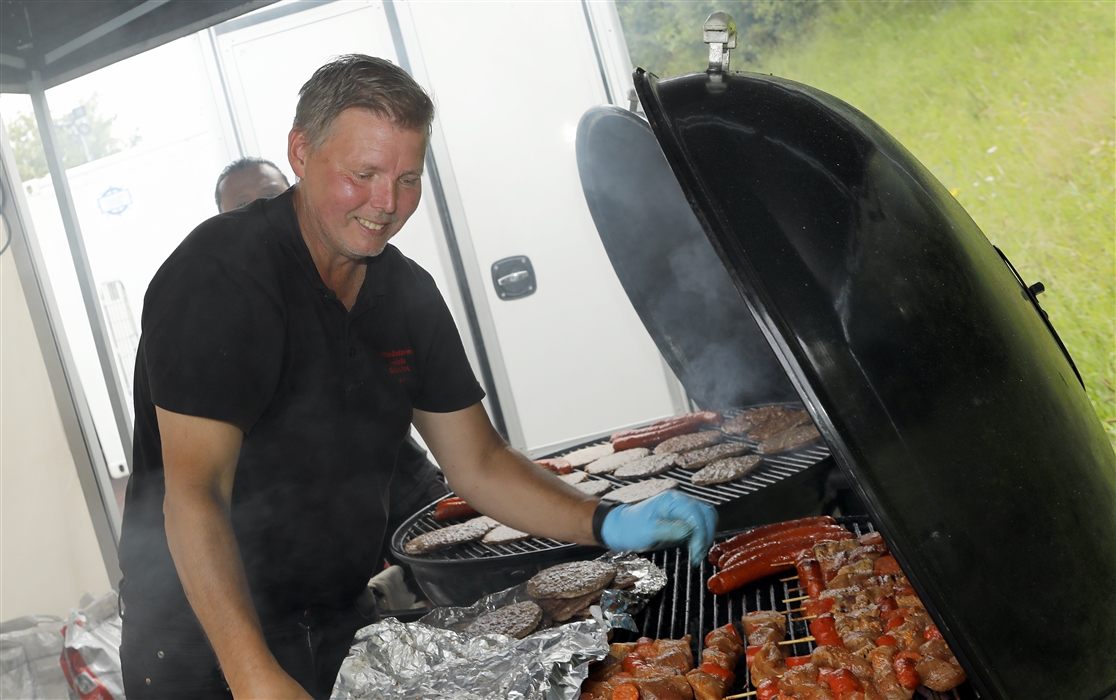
{"x": 281, "y": 215}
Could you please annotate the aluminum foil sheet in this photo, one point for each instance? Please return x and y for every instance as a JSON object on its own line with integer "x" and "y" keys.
{"x": 392, "y": 660}
{"x": 433, "y": 659}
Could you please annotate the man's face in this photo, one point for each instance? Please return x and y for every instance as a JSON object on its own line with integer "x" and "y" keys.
{"x": 360, "y": 185}
{"x": 249, "y": 184}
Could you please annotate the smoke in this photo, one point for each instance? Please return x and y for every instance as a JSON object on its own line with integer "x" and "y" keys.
{"x": 670, "y": 271}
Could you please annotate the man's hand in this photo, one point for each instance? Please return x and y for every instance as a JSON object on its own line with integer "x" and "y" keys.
{"x": 668, "y": 519}
{"x": 274, "y": 685}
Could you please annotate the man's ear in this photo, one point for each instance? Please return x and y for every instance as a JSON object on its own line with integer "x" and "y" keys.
{"x": 298, "y": 150}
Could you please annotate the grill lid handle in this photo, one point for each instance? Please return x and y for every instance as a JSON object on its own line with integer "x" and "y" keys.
{"x": 719, "y": 31}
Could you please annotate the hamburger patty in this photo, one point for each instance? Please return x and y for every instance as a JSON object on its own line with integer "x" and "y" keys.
{"x": 594, "y": 487}
{"x": 789, "y": 439}
{"x": 741, "y": 424}
{"x": 503, "y": 534}
{"x": 614, "y": 461}
{"x": 699, "y": 458}
{"x": 777, "y": 424}
{"x": 579, "y": 458}
{"x": 692, "y": 441}
{"x": 467, "y": 531}
{"x": 725, "y": 470}
{"x": 517, "y": 620}
{"x": 562, "y": 609}
{"x": 634, "y": 493}
{"x": 571, "y": 580}
{"x": 646, "y": 466}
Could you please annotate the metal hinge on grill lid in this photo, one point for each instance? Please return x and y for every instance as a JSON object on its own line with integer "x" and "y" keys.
{"x": 719, "y": 31}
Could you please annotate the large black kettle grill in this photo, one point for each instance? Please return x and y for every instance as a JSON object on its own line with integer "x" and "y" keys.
{"x": 941, "y": 389}
{"x": 946, "y": 398}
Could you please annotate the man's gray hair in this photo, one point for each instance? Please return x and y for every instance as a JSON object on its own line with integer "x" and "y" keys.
{"x": 370, "y": 83}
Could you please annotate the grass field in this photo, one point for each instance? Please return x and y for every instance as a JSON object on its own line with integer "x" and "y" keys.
{"x": 1011, "y": 105}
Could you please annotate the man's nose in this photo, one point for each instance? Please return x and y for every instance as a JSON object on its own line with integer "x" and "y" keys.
{"x": 383, "y": 195}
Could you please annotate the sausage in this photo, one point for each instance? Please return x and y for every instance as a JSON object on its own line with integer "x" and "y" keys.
{"x": 625, "y": 691}
{"x": 745, "y": 537}
{"x": 810, "y": 577}
{"x": 886, "y": 566}
{"x": 555, "y": 464}
{"x": 453, "y": 507}
{"x": 768, "y": 689}
{"x": 817, "y": 607}
{"x": 815, "y": 533}
{"x": 824, "y": 629}
{"x": 871, "y": 538}
{"x": 664, "y": 423}
{"x": 886, "y": 640}
{"x": 793, "y": 661}
{"x": 761, "y": 565}
{"x": 721, "y": 672}
{"x": 887, "y": 607}
{"x": 698, "y": 418}
{"x": 842, "y": 682}
{"x": 730, "y": 630}
{"x": 932, "y": 632}
{"x": 735, "y": 557}
{"x": 671, "y": 427}
{"x": 800, "y": 538}
{"x": 906, "y": 672}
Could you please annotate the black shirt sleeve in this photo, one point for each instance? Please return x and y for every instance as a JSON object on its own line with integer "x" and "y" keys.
{"x": 213, "y": 342}
{"x": 448, "y": 383}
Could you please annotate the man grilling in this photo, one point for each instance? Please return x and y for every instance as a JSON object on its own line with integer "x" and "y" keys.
{"x": 416, "y": 482}
{"x": 286, "y": 350}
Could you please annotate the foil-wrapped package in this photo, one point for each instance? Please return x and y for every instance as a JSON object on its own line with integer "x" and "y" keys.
{"x": 391, "y": 660}
{"x": 433, "y": 658}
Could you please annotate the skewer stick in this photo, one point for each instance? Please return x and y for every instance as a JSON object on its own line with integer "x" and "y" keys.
{"x": 794, "y": 610}
{"x": 741, "y": 695}
{"x": 793, "y": 588}
{"x": 804, "y": 618}
{"x": 789, "y": 578}
{"x": 794, "y": 600}
{"x": 787, "y": 642}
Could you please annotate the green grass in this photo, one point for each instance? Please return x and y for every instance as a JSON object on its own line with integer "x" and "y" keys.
{"x": 1011, "y": 105}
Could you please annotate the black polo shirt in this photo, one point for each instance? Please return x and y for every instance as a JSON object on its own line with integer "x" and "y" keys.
{"x": 239, "y": 327}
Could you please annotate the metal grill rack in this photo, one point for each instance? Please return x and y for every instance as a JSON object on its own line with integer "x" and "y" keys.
{"x": 684, "y": 607}
{"x": 774, "y": 469}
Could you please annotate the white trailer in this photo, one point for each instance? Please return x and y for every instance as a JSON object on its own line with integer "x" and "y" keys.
{"x": 560, "y": 351}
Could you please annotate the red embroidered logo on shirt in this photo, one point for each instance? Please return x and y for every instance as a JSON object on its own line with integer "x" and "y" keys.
{"x": 397, "y": 359}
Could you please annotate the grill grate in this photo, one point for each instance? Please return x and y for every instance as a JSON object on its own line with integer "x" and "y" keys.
{"x": 772, "y": 470}
{"x": 684, "y": 607}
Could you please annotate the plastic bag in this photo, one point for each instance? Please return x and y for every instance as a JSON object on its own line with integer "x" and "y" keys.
{"x": 91, "y": 653}
{"x": 29, "y": 651}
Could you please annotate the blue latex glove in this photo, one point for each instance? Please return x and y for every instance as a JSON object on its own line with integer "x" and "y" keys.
{"x": 668, "y": 519}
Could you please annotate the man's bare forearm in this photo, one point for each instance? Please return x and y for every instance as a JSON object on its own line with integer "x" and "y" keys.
{"x": 530, "y": 499}
{"x": 502, "y": 483}
{"x": 206, "y": 556}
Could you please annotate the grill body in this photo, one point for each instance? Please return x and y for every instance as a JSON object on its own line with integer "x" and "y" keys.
{"x": 784, "y": 486}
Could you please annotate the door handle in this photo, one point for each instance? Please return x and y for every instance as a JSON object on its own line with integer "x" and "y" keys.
{"x": 508, "y": 280}
{"x": 513, "y": 277}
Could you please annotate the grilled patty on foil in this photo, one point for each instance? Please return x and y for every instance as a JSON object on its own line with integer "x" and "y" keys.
{"x": 516, "y": 620}
{"x": 571, "y": 580}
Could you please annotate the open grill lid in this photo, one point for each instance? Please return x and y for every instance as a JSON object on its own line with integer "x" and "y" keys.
{"x": 669, "y": 270}
{"x": 937, "y": 382}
